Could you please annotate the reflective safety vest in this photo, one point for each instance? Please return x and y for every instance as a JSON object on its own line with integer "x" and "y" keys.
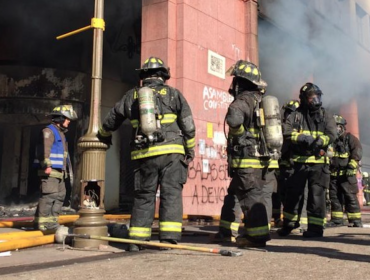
{"x": 57, "y": 153}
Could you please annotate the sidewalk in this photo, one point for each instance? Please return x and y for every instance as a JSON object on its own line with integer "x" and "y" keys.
{"x": 344, "y": 253}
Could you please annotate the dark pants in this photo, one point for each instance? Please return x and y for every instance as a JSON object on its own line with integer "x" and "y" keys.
{"x": 254, "y": 187}
{"x": 51, "y": 200}
{"x": 278, "y": 198}
{"x": 170, "y": 173}
{"x": 343, "y": 193}
{"x": 230, "y": 215}
{"x": 317, "y": 177}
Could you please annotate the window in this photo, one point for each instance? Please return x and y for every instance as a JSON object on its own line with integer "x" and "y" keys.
{"x": 360, "y": 23}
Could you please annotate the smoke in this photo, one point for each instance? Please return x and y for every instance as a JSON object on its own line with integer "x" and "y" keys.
{"x": 320, "y": 42}
{"x": 310, "y": 41}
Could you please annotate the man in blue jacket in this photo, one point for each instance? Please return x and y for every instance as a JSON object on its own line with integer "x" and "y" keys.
{"x": 54, "y": 166}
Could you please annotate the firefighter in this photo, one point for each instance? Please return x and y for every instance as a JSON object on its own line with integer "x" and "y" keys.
{"x": 252, "y": 175}
{"x": 162, "y": 152}
{"x": 54, "y": 167}
{"x": 365, "y": 184}
{"x": 309, "y": 130}
{"x": 231, "y": 215}
{"x": 285, "y": 168}
{"x": 343, "y": 182}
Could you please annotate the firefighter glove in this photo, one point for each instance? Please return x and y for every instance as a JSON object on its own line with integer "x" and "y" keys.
{"x": 189, "y": 155}
{"x": 105, "y": 137}
{"x": 317, "y": 145}
{"x": 305, "y": 139}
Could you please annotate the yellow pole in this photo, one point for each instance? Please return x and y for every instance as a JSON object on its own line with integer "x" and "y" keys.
{"x": 74, "y": 32}
{"x": 66, "y": 219}
{"x": 20, "y": 235}
{"x": 26, "y": 243}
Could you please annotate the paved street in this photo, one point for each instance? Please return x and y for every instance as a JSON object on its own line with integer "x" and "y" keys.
{"x": 344, "y": 253}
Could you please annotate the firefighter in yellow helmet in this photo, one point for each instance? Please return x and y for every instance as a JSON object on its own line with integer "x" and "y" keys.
{"x": 308, "y": 131}
{"x": 231, "y": 213}
{"x": 252, "y": 174}
{"x": 343, "y": 181}
{"x": 54, "y": 166}
{"x": 163, "y": 146}
{"x": 366, "y": 186}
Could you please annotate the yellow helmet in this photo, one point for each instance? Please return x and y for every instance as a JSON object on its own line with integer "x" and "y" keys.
{"x": 65, "y": 111}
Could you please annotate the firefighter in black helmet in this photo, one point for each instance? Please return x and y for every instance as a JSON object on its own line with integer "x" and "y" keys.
{"x": 253, "y": 177}
{"x": 54, "y": 167}
{"x": 162, "y": 154}
{"x": 343, "y": 182}
{"x": 309, "y": 130}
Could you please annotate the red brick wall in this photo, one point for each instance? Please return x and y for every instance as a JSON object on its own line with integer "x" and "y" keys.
{"x": 182, "y": 32}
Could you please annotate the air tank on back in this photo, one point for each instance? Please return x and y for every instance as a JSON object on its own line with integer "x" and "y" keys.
{"x": 272, "y": 129}
{"x": 148, "y": 121}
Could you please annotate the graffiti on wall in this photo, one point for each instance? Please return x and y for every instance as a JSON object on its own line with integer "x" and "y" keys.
{"x": 214, "y": 99}
{"x": 214, "y": 182}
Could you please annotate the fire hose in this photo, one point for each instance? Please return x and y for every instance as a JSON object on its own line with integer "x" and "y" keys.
{"x": 222, "y": 252}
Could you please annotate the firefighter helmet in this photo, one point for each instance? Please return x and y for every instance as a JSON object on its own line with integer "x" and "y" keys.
{"x": 291, "y": 105}
{"x": 154, "y": 65}
{"x": 249, "y": 71}
{"x": 341, "y": 124}
{"x": 64, "y": 111}
{"x": 313, "y": 92}
{"x": 340, "y": 120}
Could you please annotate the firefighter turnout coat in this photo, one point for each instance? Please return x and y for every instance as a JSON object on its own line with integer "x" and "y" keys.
{"x": 343, "y": 182}
{"x": 160, "y": 163}
{"x": 253, "y": 177}
{"x": 311, "y": 165}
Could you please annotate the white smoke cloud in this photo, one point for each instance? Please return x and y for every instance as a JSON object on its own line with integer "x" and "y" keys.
{"x": 298, "y": 44}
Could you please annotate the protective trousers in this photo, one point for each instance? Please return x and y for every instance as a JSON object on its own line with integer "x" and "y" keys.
{"x": 230, "y": 215}
{"x": 278, "y": 198}
{"x": 317, "y": 177}
{"x": 51, "y": 200}
{"x": 168, "y": 171}
{"x": 253, "y": 188}
{"x": 343, "y": 192}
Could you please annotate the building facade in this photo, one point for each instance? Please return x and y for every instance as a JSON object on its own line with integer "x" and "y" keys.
{"x": 293, "y": 41}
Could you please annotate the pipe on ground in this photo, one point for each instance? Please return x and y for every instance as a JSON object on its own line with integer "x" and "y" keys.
{"x": 15, "y": 244}
{"x": 67, "y": 219}
{"x": 20, "y": 235}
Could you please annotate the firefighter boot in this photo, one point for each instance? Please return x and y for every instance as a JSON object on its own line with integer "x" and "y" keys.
{"x": 356, "y": 224}
{"x": 167, "y": 241}
{"x": 334, "y": 224}
{"x": 313, "y": 234}
{"x": 243, "y": 241}
{"x": 284, "y": 231}
{"x": 135, "y": 248}
{"x": 219, "y": 237}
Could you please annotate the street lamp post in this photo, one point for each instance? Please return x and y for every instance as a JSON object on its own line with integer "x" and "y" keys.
{"x": 91, "y": 220}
